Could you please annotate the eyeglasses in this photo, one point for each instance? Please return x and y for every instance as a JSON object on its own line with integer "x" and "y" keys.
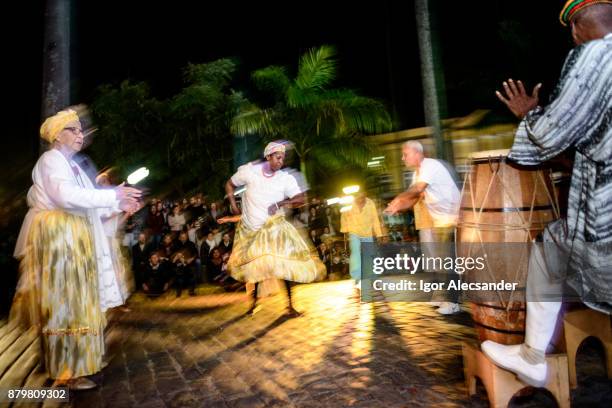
{"x": 74, "y": 130}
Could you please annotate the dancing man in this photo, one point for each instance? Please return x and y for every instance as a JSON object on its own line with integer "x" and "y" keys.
{"x": 578, "y": 250}
{"x": 266, "y": 246}
{"x": 433, "y": 185}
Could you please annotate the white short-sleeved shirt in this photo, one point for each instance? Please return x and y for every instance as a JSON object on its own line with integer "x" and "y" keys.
{"x": 442, "y": 197}
{"x": 262, "y": 192}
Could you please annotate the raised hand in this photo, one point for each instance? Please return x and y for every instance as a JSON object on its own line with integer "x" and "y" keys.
{"x": 129, "y": 205}
{"x": 517, "y": 99}
{"x": 122, "y": 192}
{"x": 392, "y": 208}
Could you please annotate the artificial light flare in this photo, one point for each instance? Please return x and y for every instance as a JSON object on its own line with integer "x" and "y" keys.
{"x": 138, "y": 175}
{"x": 346, "y": 208}
{"x": 350, "y": 189}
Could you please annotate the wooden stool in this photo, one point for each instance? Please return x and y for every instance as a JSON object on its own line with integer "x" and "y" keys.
{"x": 501, "y": 385}
{"x": 580, "y": 324}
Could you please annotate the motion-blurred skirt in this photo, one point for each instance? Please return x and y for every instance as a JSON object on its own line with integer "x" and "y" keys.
{"x": 58, "y": 290}
{"x": 276, "y": 251}
{"x": 123, "y": 271}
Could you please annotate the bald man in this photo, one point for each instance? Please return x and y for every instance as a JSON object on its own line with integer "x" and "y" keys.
{"x": 578, "y": 250}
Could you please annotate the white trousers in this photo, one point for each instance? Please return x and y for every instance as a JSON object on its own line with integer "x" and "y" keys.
{"x": 541, "y": 313}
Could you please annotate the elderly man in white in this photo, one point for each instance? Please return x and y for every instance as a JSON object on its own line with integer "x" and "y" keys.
{"x": 434, "y": 184}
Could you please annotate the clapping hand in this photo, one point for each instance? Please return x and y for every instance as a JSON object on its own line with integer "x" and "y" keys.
{"x": 392, "y": 208}
{"x": 517, "y": 99}
{"x": 130, "y": 205}
{"x": 122, "y": 192}
{"x": 273, "y": 209}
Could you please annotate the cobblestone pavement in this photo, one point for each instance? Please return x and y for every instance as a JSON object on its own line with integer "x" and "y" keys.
{"x": 203, "y": 352}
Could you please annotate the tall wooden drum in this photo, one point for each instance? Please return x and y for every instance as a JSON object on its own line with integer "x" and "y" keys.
{"x": 503, "y": 203}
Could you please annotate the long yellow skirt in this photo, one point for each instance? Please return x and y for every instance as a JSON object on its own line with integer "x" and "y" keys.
{"x": 58, "y": 292}
{"x": 123, "y": 270}
{"x": 276, "y": 251}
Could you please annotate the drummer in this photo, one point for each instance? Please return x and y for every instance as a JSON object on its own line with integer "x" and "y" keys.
{"x": 578, "y": 249}
{"x": 433, "y": 186}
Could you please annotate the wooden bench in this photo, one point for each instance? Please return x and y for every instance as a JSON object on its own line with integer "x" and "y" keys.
{"x": 580, "y": 324}
{"x": 20, "y": 364}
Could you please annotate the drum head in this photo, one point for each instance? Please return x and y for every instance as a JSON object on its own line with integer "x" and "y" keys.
{"x": 489, "y": 155}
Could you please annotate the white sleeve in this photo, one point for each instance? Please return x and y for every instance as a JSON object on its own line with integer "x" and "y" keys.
{"x": 241, "y": 177}
{"x": 58, "y": 182}
{"x": 427, "y": 173}
{"x": 292, "y": 187}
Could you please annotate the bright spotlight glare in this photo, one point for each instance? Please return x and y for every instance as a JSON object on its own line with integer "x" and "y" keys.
{"x": 138, "y": 175}
{"x": 346, "y": 208}
{"x": 350, "y": 189}
{"x": 347, "y": 200}
{"x": 332, "y": 201}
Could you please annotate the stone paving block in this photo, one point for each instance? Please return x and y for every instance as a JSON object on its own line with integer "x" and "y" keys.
{"x": 169, "y": 385}
{"x": 232, "y": 388}
{"x": 252, "y": 401}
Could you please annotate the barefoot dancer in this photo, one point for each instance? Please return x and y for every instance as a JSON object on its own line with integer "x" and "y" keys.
{"x": 266, "y": 246}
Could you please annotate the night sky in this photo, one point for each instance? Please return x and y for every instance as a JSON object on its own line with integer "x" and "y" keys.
{"x": 482, "y": 43}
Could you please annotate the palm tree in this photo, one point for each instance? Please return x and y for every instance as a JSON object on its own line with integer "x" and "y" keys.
{"x": 326, "y": 125}
{"x": 56, "y": 60}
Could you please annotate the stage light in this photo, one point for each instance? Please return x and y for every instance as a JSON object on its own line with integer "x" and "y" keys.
{"x": 332, "y": 201}
{"x": 138, "y": 175}
{"x": 350, "y": 189}
{"x": 347, "y": 200}
{"x": 346, "y": 208}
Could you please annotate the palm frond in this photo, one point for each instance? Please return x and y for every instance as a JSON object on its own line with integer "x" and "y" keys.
{"x": 356, "y": 113}
{"x": 272, "y": 79}
{"x": 317, "y": 68}
{"x": 301, "y": 98}
{"x": 254, "y": 120}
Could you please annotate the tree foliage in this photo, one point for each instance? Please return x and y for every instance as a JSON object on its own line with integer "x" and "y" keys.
{"x": 185, "y": 139}
{"x": 325, "y": 124}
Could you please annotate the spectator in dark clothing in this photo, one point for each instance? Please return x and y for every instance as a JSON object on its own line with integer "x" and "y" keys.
{"x": 140, "y": 257}
{"x": 197, "y": 210}
{"x": 315, "y": 221}
{"x": 205, "y": 252}
{"x": 167, "y": 247}
{"x": 217, "y": 268}
{"x": 157, "y": 275}
{"x": 215, "y": 265}
{"x": 155, "y": 223}
{"x": 325, "y": 255}
{"x": 184, "y": 260}
{"x": 314, "y": 238}
{"x": 226, "y": 244}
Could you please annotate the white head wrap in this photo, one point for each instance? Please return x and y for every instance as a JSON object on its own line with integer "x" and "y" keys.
{"x": 273, "y": 147}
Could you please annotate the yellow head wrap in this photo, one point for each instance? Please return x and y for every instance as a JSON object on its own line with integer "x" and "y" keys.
{"x": 56, "y": 123}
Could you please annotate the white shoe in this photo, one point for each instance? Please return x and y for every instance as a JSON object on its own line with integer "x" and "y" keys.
{"x": 447, "y": 308}
{"x": 508, "y": 357}
{"x": 435, "y": 304}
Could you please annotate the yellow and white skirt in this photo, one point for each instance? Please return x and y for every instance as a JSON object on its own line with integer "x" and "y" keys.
{"x": 58, "y": 291}
{"x": 276, "y": 251}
